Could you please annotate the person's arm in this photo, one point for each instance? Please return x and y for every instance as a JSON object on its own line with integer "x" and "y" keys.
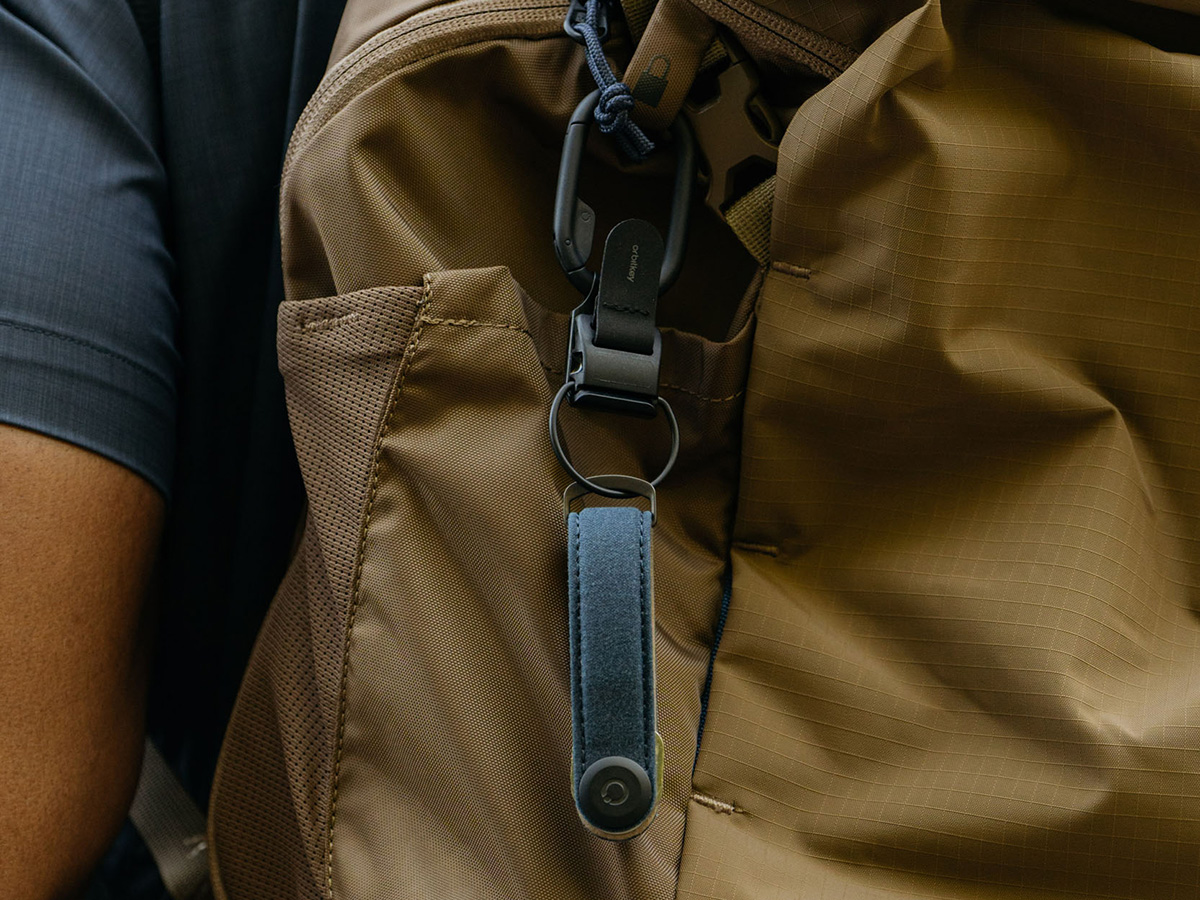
{"x": 77, "y": 541}
{"x": 87, "y": 427}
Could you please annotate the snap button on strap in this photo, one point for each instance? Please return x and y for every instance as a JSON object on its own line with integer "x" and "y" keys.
{"x": 614, "y": 794}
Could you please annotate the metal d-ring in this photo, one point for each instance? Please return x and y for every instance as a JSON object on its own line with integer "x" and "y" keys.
{"x": 634, "y": 487}
{"x": 565, "y": 461}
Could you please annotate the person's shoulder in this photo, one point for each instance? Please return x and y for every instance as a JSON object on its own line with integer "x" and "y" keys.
{"x": 87, "y": 317}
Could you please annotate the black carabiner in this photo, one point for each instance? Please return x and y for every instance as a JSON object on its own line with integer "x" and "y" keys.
{"x": 574, "y": 220}
{"x": 577, "y": 12}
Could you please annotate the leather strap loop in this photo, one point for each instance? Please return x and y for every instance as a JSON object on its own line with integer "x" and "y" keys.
{"x": 665, "y": 63}
{"x": 612, "y": 669}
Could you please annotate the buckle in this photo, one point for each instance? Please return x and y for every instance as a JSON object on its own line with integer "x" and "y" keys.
{"x": 737, "y": 131}
{"x": 615, "y": 349}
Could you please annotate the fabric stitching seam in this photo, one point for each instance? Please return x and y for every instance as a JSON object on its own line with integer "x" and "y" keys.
{"x": 789, "y": 269}
{"x": 699, "y": 396}
{"x": 328, "y": 324}
{"x": 355, "y": 595}
{"x": 470, "y": 323}
{"x": 826, "y": 47}
{"x": 719, "y": 806}
{"x": 751, "y": 547}
{"x": 314, "y": 116}
{"x": 95, "y": 348}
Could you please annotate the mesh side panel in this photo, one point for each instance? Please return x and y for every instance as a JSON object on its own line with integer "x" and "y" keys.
{"x": 339, "y": 357}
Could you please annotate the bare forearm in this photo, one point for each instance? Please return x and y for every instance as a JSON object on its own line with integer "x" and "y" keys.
{"x": 77, "y": 541}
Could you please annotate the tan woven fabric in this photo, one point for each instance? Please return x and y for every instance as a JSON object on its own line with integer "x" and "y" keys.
{"x": 750, "y": 219}
{"x": 962, "y": 656}
{"x": 950, "y": 443}
{"x": 458, "y": 707}
{"x": 269, "y": 816}
{"x": 456, "y": 531}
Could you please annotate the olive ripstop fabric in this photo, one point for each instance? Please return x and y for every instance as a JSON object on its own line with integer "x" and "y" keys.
{"x": 961, "y": 656}
{"x": 949, "y": 438}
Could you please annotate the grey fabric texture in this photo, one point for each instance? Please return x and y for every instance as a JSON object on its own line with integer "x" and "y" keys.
{"x": 139, "y": 280}
{"x": 87, "y": 318}
{"x": 172, "y": 827}
{"x": 612, "y": 636}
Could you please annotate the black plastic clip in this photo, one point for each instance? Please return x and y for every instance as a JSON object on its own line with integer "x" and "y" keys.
{"x": 615, "y": 348}
{"x": 576, "y": 13}
{"x": 738, "y": 132}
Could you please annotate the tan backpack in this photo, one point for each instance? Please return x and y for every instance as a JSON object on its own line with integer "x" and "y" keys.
{"x": 925, "y": 571}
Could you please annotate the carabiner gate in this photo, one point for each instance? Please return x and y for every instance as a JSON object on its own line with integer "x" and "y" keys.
{"x": 574, "y": 220}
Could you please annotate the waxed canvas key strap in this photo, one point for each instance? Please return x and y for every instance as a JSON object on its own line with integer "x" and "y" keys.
{"x": 612, "y": 668}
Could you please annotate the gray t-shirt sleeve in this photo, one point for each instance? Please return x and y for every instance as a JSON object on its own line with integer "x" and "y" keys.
{"x": 87, "y": 318}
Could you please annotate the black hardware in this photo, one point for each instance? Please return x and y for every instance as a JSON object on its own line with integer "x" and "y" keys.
{"x": 576, "y": 13}
{"x": 574, "y": 221}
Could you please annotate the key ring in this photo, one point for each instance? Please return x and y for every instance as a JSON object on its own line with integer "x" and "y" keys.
{"x": 634, "y": 487}
{"x": 594, "y": 487}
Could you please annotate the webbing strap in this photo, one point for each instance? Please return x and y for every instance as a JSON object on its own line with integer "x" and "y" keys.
{"x": 750, "y": 220}
{"x": 627, "y": 296}
{"x": 637, "y": 14}
{"x": 173, "y": 828}
{"x": 665, "y": 62}
{"x": 612, "y": 669}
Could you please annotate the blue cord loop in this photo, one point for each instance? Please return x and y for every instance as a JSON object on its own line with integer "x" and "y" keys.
{"x": 616, "y": 98}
